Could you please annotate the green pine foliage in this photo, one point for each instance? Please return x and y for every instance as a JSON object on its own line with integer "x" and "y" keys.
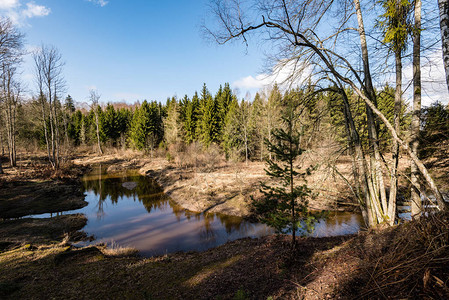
{"x": 285, "y": 204}
{"x": 109, "y": 125}
{"x": 146, "y": 131}
{"x": 385, "y": 103}
{"x": 435, "y": 125}
{"x": 69, "y": 104}
{"x": 74, "y": 127}
{"x": 190, "y": 119}
{"x": 208, "y": 122}
{"x": 395, "y": 23}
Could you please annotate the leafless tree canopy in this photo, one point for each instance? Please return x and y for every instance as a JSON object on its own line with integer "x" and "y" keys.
{"x": 51, "y": 84}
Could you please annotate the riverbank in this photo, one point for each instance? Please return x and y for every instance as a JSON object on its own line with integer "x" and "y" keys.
{"x": 36, "y": 258}
{"x": 405, "y": 261}
{"x": 227, "y": 187}
{"x": 33, "y": 188}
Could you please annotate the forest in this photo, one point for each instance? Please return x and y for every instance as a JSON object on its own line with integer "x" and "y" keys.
{"x": 344, "y": 134}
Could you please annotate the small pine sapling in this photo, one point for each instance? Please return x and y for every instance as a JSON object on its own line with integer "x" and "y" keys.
{"x": 284, "y": 205}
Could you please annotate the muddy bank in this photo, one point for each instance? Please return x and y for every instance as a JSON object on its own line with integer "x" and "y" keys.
{"x": 229, "y": 188}
{"x": 35, "y": 188}
{"x": 42, "y": 231}
{"x": 369, "y": 265}
{"x": 21, "y": 198}
{"x": 255, "y": 268}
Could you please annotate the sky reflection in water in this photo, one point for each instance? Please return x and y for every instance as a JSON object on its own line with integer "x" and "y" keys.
{"x": 131, "y": 210}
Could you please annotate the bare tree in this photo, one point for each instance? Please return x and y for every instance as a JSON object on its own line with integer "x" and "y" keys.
{"x": 11, "y": 44}
{"x": 414, "y": 143}
{"x": 444, "y": 25}
{"x": 10, "y": 93}
{"x": 50, "y": 82}
{"x": 295, "y": 25}
{"x": 94, "y": 99}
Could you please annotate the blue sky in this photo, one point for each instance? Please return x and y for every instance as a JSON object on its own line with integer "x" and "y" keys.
{"x": 153, "y": 49}
{"x": 132, "y": 50}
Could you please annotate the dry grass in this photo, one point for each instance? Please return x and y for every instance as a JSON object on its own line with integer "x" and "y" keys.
{"x": 115, "y": 250}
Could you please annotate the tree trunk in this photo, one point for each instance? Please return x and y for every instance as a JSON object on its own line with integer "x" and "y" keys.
{"x": 422, "y": 169}
{"x": 376, "y": 178}
{"x": 57, "y": 134}
{"x": 359, "y": 166}
{"x": 52, "y": 132}
{"x": 44, "y": 120}
{"x": 395, "y": 144}
{"x": 416, "y": 205}
{"x": 444, "y": 25}
{"x": 98, "y": 133}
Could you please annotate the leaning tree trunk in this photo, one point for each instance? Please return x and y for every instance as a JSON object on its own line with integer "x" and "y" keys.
{"x": 359, "y": 165}
{"x": 44, "y": 121}
{"x": 444, "y": 25}
{"x": 416, "y": 205}
{"x": 378, "y": 196}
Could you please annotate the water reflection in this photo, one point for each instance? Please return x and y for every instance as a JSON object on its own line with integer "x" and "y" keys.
{"x": 132, "y": 210}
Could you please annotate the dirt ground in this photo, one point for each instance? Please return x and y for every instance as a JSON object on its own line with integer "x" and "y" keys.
{"x": 402, "y": 262}
{"x": 33, "y": 188}
{"x": 408, "y": 261}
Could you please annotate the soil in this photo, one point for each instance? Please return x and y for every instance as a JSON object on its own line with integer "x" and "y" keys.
{"x": 34, "y": 188}
{"x": 37, "y": 189}
{"x": 370, "y": 265}
{"x": 230, "y": 187}
{"x": 406, "y": 261}
{"x": 41, "y": 231}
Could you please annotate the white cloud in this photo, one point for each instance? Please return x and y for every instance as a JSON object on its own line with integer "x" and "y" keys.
{"x": 282, "y": 75}
{"x": 34, "y": 10}
{"x": 18, "y": 13}
{"x": 127, "y": 96}
{"x": 8, "y": 4}
{"x": 91, "y": 88}
{"x": 102, "y": 3}
{"x": 434, "y": 87}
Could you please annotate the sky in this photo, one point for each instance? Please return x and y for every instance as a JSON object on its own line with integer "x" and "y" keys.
{"x": 132, "y": 50}
{"x": 149, "y": 49}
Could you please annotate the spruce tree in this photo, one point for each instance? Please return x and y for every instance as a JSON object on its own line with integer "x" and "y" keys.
{"x": 207, "y": 126}
{"x": 285, "y": 204}
{"x": 109, "y": 124}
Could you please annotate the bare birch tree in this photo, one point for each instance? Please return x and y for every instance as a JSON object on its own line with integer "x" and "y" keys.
{"x": 10, "y": 93}
{"x": 444, "y": 25}
{"x": 50, "y": 82}
{"x": 416, "y": 205}
{"x": 94, "y": 99}
{"x": 11, "y": 44}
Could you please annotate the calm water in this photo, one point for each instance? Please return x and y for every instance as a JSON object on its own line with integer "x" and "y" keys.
{"x": 131, "y": 210}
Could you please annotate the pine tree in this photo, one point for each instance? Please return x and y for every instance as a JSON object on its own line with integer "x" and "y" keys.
{"x": 207, "y": 123}
{"x": 255, "y": 121}
{"x": 285, "y": 205}
{"x": 109, "y": 124}
{"x": 191, "y": 119}
{"x": 140, "y": 126}
{"x": 272, "y": 108}
{"x": 224, "y": 98}
{"x": 172, "y": 128}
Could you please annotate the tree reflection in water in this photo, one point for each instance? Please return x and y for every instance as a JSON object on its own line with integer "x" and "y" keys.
{"x": 162, "y": 220}
{"x": 133, "y": 211}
